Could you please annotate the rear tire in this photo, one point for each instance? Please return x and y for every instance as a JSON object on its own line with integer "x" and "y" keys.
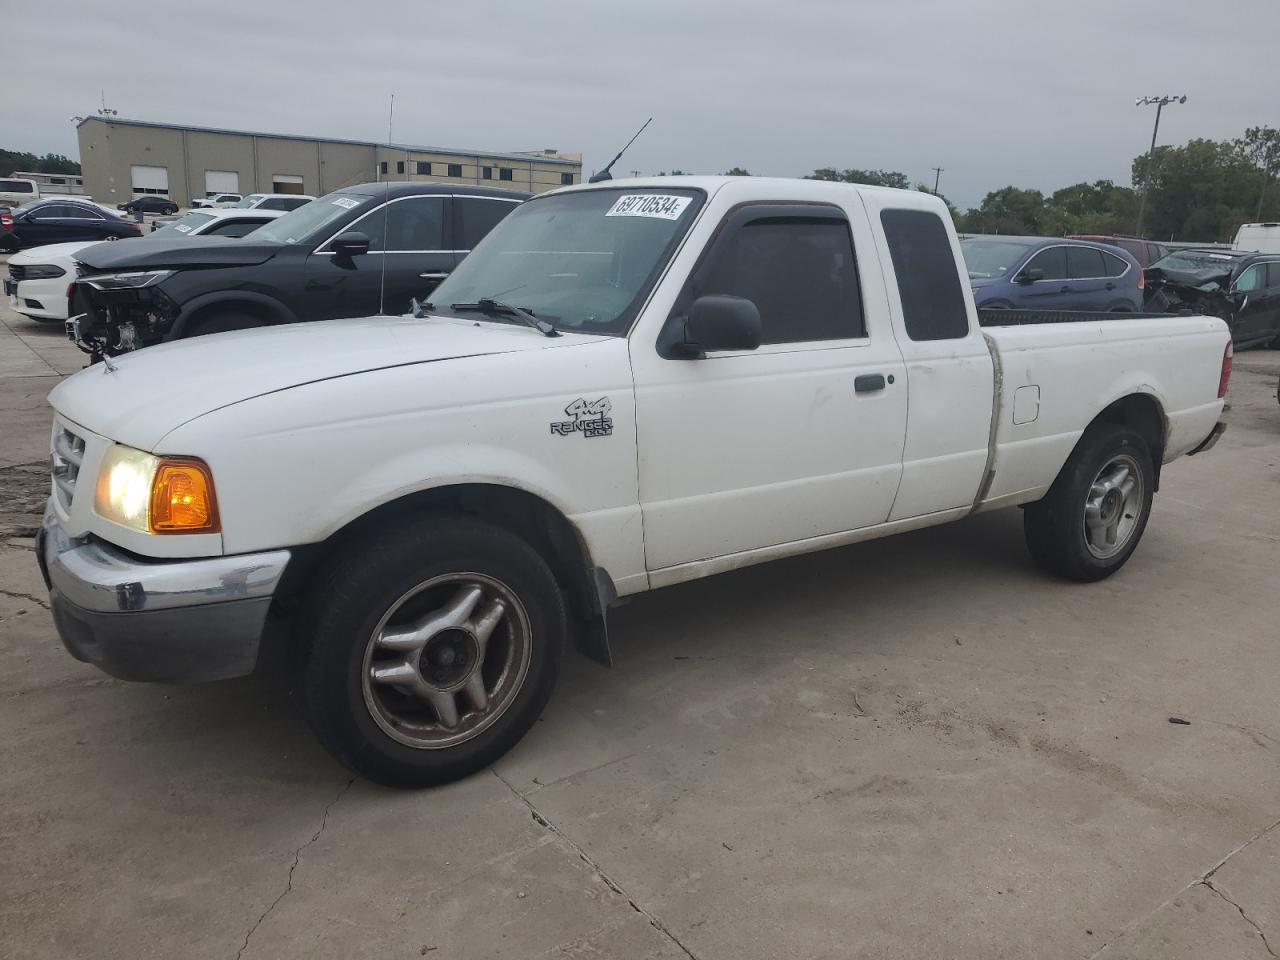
{"x": 434, "y": 647}
{"x": 1091, "y": 520}
{"x": 224, "y": 323}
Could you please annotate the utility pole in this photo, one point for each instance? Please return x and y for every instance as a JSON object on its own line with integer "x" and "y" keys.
{"x": 937, "y": 176}
{"x": 1160, "y": 104}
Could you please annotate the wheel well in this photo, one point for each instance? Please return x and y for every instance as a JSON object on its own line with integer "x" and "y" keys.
{"x": 526, "y": 515}
{"x": 251, "y": 307}
{"x": 1141, "y": 413}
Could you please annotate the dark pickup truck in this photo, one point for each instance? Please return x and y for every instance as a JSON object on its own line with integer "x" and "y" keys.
{"x": 359, "y": 251}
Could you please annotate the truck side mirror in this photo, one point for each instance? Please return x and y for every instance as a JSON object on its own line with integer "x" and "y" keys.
{"x": 1030, "y": 275}
{"x": 718, "y": 322}
{"x": 351, "y": 243}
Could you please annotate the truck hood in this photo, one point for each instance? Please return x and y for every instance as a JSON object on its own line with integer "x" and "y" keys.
{"x": 148, "y": 253}
{"x": 143, "y": 396}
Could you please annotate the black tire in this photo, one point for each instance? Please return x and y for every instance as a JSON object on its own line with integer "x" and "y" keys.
{"x": 348, "y": 604}
{"x": 1055, "y": 527}
{"x": 223, "y": 323}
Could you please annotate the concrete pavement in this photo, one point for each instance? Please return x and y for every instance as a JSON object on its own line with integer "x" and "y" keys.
{"x": 918, "y": 747}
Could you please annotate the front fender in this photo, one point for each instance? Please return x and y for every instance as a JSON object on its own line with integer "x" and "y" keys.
{"x": 275, "y": 308}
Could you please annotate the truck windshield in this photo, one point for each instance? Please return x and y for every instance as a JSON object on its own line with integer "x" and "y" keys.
{"x": 582, "y": 260}
{"x": 989, "y": 259}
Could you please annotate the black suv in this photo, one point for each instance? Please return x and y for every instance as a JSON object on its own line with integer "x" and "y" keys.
{"x": 360, "y": 251}
{"x": 1242, "y": 288}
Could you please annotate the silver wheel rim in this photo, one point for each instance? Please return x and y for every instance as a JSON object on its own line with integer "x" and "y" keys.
{"x": 1113, "y": 506}
{"x": 446, "y": 660}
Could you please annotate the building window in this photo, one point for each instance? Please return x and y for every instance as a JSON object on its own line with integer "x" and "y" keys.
{"x": 504, "y": 173}
{"x": 486, "y": 173}
{"x": 399, "y": 166}
{"x": 383, "y": 166}
{"x": 566, "y": 179}
{"x": 424, "y": 168}
{"x": 455, "y": 169}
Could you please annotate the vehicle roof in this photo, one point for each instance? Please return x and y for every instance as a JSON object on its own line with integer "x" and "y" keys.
{"x": 303, "y": 196}
{"x": 404, "y": 188}
{"x": 238, "y": 213}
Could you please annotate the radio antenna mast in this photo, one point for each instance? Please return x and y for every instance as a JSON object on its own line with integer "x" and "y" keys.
{"x": 386, "y": 217}
{"x": 604, "y": 174}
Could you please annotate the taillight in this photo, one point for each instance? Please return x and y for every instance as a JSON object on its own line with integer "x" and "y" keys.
{"x": 1225, "y": 378}
{"x": 1142, "y": 280}
{"x": 6, "y": 220}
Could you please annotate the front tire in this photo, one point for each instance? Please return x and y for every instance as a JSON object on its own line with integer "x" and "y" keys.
{"x": 1089, "y": 523}
{"x": 434, "y": 647}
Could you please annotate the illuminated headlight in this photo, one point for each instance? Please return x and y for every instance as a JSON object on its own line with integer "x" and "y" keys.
{"x": 155, "y": 494}
{"x": 127, "y": 281}
{"x": 43, "y": 271}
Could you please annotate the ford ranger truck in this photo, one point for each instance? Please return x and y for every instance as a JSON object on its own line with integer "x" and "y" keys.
{"x": 626, "y": 385}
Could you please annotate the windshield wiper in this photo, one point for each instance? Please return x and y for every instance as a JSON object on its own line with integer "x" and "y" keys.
{"x": 488, "y": 305}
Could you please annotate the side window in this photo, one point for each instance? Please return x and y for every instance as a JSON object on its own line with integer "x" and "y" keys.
{"x": 1085, "y": 263}
{"x": 933, "y": 306}
{"x": 800, "y": 274}
{"x": 1114, "y": 266}
{"x": 48, "y": 211}
{"x": 1273, "y": 274}
{"x": 1052, "y": 261}
{"x": 234, "y": 228}
{"x": 416, "y": 224}
{"x": 1251, "y": 279}
{"x": 477, "y": 217}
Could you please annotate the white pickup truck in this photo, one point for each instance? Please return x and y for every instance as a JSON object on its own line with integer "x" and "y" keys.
{"x": 626, "y": 385}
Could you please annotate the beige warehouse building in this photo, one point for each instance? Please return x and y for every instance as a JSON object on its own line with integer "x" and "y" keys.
{"x": 122, "y": 159}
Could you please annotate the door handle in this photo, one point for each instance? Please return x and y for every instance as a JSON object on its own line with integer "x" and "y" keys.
{"x": 1111, "y": 286}
{"x": 868, "y": 382}
{"x": 433, "y": 276}
{"x": 1065, "y": 289}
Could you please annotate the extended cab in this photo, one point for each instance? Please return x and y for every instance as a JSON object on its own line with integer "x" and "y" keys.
{"x": 626, "y": 385}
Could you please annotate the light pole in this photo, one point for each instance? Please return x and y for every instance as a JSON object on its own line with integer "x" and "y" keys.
{"x": 937, "y": 177}
{"x": 1160, "y": 104}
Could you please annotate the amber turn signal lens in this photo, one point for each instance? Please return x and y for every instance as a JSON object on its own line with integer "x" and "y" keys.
{"x": 182, "y": 498}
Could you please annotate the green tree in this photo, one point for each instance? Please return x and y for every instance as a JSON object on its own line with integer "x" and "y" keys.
{"x": 737, "y": 172}
{"x": 875, "y": 178}
{"x": 1202, "y": 190}
{"x": 1008, "y": 210}
{"x": 1260, "y": 146}
{"x": 13, "y": 161}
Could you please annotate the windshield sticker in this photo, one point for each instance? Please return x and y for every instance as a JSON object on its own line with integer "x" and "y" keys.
{"x": 661, "y": 206}
{"x": 590, "y": 418}
{"x": 346, "y": 202}
{"x": 182, "y": 227}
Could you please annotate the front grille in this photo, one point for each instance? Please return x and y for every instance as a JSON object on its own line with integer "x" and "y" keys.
{"x": 17, "y": 272}
{"x": 68, "y": 454}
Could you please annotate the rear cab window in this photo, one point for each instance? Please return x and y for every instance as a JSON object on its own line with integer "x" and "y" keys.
{"x": 927, "y": 274}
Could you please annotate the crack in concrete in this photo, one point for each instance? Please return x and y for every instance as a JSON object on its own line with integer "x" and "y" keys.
{"x": 24, "y": 596}
{"x": 1265, "y": 942}
{"x": 607, "y": 880}
{"x": 297, "y": 855}
{"x": 1204, "y": 879}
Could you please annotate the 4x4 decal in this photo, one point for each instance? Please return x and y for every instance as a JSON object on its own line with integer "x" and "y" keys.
{"x": 590, "y": 418}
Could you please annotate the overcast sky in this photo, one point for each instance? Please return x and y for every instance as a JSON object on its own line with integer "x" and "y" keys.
{"x": 1032, "y": 93}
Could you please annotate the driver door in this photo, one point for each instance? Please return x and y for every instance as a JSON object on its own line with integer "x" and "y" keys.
{"x": 408, "y": 256}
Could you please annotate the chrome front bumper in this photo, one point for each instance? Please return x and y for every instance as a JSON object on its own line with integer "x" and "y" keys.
{"x": 179, "y": 621}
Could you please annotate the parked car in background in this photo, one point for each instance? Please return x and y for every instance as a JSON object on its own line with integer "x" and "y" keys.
{"x": 229, "y": 222}
{"x": 1258, "y": 237}
{"x": 16, "y": 191}
{"x": 217, "y": 200}
{"x": 1146, "y": 252}
{"x": 41, "y": 279}
{"x": 1240, "y": 287}
{"x": 149, "y": 204}
{"x": 274, "y": 201}
{"x": 60, "y": 221}
{"x": 1050, "y": 273}
{"x": 363, "y": 250}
